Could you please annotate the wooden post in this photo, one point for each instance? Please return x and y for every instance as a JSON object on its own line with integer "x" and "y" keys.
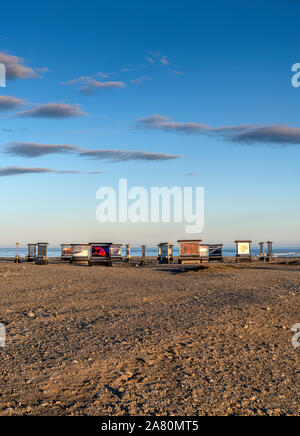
{"x": 17, "y": 258}
{"x": 128, "y": 255}
{"x": 143, "y": 261}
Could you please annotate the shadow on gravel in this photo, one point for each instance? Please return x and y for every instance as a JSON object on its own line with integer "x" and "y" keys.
{"x": 180, "y": 270}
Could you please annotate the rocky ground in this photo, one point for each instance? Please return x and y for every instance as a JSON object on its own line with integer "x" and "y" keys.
{"x": 153, "y": 340}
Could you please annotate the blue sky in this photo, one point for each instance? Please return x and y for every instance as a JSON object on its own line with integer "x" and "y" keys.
{"x": 91, "y": 75}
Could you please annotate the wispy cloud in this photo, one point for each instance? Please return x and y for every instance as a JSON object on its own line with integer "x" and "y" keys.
{"x": 277, "y": 134}
{"x": 149, "y": 60}
{"x": 141, "y": 80}
{"x": 164, "y": 60}
{"x": 191, "y": 174}
{"x": 9, "y": 103}
{"x": 93, "y": 85}
{"x": 8, "y": 130}
{"x": 123, "y": 155}
{"x": 32, "y": 149}
{"x": 16, "y": 68}
{"x": 129, "y": 69}
{"x": 15, "y": 171}
{"x": 53, "y": 110}
{"x": 162, "y": 122}
{"x": 274, "y": 134}
{"x": 157, "y": 56}
{"x": 177, "y": 73}
{"x": 42, "y": 70}
{"x": 89, "y": 84}
{"x": 102, "y": 75}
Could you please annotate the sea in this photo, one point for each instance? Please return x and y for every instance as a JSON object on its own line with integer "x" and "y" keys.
{"x": 228, "y": 251}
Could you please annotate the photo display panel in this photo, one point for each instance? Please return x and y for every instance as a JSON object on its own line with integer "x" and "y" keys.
{"x": 244, "y": 248}
{"x": 100, "y": 251}
{"x": 189, "y": 248}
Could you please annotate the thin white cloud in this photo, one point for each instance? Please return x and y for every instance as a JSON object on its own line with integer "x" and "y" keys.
{"x": 177, "y": 73}
{"x": 141, "y": 80}
{"x": 150, "y": 60}
{"x": 163, "y": 60}
{"x": 129, "y": 69}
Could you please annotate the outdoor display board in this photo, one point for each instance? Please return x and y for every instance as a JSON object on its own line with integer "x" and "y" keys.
{"x": 41, "y": 258}
{"x": 189, "y": 251}
{"x": 165, "y": 252}
{"x": 66, "y": 251}
{"x": 100, "y": 251}
{"x": 216, "y": 252}
{"x": 189, "y": 248}
{"x": 42, "y": 249}
{"x": 31, "y": 251}
{"x": 204, "y": 252}
{"x": 116, "y": 251}
{"x": 80, "y": 251}
{"x": 243, "y": 250}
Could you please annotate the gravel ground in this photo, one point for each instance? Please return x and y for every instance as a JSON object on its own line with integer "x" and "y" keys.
{"x": 153, "y": 340}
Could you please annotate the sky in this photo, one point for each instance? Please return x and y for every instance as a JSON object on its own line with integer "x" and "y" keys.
{"x": 172, "y": 93}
